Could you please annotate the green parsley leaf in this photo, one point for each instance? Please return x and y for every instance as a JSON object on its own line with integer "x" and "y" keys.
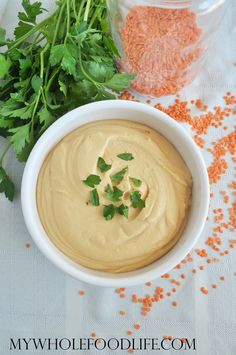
{"x": 56, "y": 54}
{"x": 63, "y": 87}
{"x": 24, "y": 154}
{"x": 94, "y": 198}
{"x": 36, "y": 83}
{"x": 5, "y": 64}
{"x": 100, "y": 71}
{"x": 23, "y": 113}
{"x": 118, "y": 177}
{"x": 22, "y": 29}
{"x": 102, "y": 165}
{"x": 6, "y": 123}
{"x": 31, "y": 11}
{"x": 92, "y": 180}
{"x": 8, "y": 107}
{"x": 136, "y": 200}
{"x": 69, "y": 63}
{"x": 136, "y": 182}
{"x": 14, "y": 54}
{"x": 125, "y": 156}
{"x": 17, "y": 97}
{"x": 20, "y": 137}
{"x": 45, "y": 118}
{"x": 25, "y": 67}
{"x": 113, "y": 194}
{"x": 123, "y": 210}
{"x": 119, "y": 82}
{"x": 109, "y": 212}
{"x": 6, "y": 185}
{"x": 66, "y": 56}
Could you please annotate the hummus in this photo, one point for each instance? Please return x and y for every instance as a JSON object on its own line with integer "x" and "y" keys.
{"x": 79, "y": 229}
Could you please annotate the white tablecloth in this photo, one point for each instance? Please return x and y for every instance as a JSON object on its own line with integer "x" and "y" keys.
{"x": 38, "y": 300}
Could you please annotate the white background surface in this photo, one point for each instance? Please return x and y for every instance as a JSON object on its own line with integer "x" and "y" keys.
{"x": 38, "y": 300}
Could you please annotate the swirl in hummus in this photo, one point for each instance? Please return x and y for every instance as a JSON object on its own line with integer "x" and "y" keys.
{"x": 79, "y": 230}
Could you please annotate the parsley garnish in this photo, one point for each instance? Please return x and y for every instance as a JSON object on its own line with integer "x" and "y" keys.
{"x": 109, "y": 212}
{"x": 113, "y": 194}
{"x": 118, "y": 177}
{"x": 136, "y": 182}
{"x": 123, "y": 210}
{"x": 102, "y": 165}
{"x": 125, "y": 156}
{"x": 136, "y": 200}
{"x": 92, "y": 180}
{"x": 94, "y": 198}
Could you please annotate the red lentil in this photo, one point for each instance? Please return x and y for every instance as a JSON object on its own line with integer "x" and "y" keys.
{"x": 160, "y": 70}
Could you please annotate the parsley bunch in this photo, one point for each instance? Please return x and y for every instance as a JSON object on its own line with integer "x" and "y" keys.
{"x": 52, "y": 67}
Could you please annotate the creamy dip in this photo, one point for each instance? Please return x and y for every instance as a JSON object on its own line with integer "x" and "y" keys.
{"x": 79, "y": 229}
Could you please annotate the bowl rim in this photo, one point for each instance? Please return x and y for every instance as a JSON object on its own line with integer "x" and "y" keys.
{"x": 35, "y": 227}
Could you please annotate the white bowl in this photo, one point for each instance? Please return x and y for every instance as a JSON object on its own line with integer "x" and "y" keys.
{"x": 132, "y": 111}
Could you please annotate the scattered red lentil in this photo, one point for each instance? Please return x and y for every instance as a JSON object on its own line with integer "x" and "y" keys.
{"x": 126, "y": 95}
{"x": 166, "y": 276}
{"x": 149, "y": 284}
{"x": 222, "y": 219}
{"x": 81, "y": 293}
{"x": 204, "y": 290}
{"x": 167, "y": 337}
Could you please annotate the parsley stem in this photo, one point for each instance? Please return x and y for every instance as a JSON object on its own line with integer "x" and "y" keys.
{"x": 35, "y": 109}
{"x": 86, "y": 14}
{"x": 58, "y": 24}
{"x": 42, "y": 60}
{"x": 74, "y": 8}
{"x": 44, "y": 99}
{"x": 95, "y": 15}
{"x": 84, "y": 71}
{"x": 55, "y": 37}
{"x": 80, "y": 11}
{"x": 30, "y": 33}
{"x": 4, "y": 154}
{"x": 54, "y": 73}
{"x": 36, "y": 42}
{"x": 68, "y": 19}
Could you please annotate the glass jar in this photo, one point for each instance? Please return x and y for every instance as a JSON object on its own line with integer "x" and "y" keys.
{"x": 163, "y": 41}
